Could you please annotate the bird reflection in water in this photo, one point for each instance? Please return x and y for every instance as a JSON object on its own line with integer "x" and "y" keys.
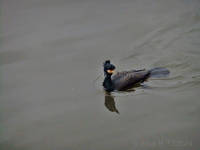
{"x": 110, "y": 102}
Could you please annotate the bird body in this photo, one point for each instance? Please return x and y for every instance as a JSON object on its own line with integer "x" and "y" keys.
{"x": 127, "y": 79}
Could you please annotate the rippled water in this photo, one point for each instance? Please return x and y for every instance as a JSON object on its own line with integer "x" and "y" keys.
{"x": 51, "y": 74}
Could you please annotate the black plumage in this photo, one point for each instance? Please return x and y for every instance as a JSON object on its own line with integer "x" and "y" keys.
{"x": 127, "y": 79}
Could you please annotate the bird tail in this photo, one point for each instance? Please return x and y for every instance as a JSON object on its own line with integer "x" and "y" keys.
{"x": 159, "y": 72}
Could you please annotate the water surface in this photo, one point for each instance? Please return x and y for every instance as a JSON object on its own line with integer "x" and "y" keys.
{"x": 51, "y": 74}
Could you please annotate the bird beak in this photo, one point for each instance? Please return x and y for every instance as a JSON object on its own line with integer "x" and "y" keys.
{"x": 110, "y": 71}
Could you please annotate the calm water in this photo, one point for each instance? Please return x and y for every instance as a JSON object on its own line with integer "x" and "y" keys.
{"x": 51, "y": 73}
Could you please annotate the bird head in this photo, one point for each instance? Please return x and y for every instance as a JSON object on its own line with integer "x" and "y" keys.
{"x": 108, "y": 68}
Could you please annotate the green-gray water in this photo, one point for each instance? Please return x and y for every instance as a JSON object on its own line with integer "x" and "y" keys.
{"x": 51, "y": 74}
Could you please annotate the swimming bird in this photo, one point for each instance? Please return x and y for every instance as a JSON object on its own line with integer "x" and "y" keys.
{"x": 127, "y": 79}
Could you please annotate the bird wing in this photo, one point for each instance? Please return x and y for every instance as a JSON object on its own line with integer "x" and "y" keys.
{"x": 126, "y": 79}
{"x": 124, "y": 73}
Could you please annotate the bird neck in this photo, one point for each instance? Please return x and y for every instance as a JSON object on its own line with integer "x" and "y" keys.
{"x": 108, "y": 84}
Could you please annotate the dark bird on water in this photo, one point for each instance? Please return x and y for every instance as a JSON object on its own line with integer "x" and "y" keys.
{"x": 127, "y": 79}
